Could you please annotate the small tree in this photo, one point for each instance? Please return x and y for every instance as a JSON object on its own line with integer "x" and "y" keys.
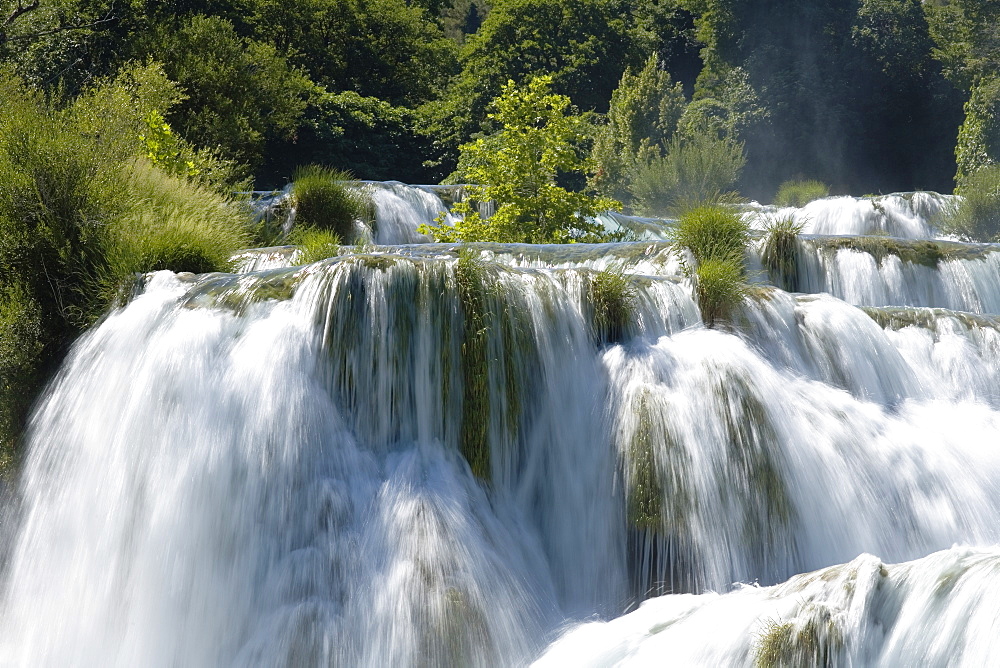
{"x": 518, "y": 168}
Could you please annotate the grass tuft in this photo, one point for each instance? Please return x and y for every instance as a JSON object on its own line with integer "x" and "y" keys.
{"x": 799, "y": 193}
{"x": 613, "y": 300}
{"x": 778, "y": 255}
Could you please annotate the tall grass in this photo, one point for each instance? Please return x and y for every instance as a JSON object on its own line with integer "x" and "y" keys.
{"x": 798, "y": 193}
{"x": 976, "y": 217}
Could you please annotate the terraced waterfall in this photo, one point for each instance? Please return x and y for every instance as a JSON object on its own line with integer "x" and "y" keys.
{"x": 409, "y": 455}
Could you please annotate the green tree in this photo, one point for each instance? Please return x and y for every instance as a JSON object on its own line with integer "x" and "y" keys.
{"x": 518, "y": 169}
{"x": 642, "y": 118}
{"x": 584, "y": 45}
{"x": 240, "y": 93}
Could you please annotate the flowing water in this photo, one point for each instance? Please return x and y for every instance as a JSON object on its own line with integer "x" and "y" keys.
{"x": 408, "y": 455}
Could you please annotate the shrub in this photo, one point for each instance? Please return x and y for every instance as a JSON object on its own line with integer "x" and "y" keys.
{"x": 976, "y": 217}
{"x": 324, "y": 200}
{"x": 717, "y": 237}
{"x": 800, "y": 193}
{"x": 719, "y": 286}
{"x": 713, "y": 232}
{"x": 81, "y": 212}
{"x": 778, "y": 254}
{"x": 701, "y": 168}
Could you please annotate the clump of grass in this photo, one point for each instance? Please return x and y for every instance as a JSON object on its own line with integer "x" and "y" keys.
{"x": 799, "y": 193}
{"x": 719, "y": 286}
{"x": 976, "y": 217}
{"x": 612, "y": 299}
{"x": 713, "y": 232}
{"x": 817, "y": 642}
{"x": 778, "y": 254}
{"x": 717, "y": 237}
{"x": 314, "y": 244}
{"x": 324, "y": 199}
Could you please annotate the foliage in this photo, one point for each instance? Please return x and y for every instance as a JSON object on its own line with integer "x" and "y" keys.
{"x": 314, "y": 244}
{"x": 799, "y": 193}
{"x": 240, "y": 93}
{"x": 612, "y": 299}
{"x": 324, "y": 199}
{"x": 641, "y": 119}
{"x": 966, "y": 38}
{"x": 583, "y": 46}
{"x": 20, "y": 347}
{"x": 979, "y": 136}
{"x": 80, "y": 211}
{"x": 976, "y": 217}
{"x": 697, "y": 169}
{"x": 366, "y": 136}
{"x": 778, "y": 255}
{"x": 518, "y": 168}
{"x": 389, "y": 49}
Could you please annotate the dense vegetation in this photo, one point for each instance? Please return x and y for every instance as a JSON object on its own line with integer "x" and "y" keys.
{"x": 865, "y": 95}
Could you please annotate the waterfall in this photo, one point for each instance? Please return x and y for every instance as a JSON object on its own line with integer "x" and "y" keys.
{"x": 432, "y": 455}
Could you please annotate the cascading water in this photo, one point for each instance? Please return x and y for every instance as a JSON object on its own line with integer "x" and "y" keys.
{"x": 418, "y": 456}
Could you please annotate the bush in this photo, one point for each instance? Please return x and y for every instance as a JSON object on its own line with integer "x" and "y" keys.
{"x": 717, "y": 237}
{"x": 976, "y": 217}
{"x": 325, "y": 201}
{"x": 800, "y": 193}
{"x": 701, "y": 168}
{"x": 713, "y": 232}
{"x": 171, "y": 223}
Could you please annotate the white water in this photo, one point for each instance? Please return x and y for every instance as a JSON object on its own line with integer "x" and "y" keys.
{"x": 218, "y": 478}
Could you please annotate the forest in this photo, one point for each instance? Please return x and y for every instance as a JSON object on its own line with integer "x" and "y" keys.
{"x": 864, "y": 95}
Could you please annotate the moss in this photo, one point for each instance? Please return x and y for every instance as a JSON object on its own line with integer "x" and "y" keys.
{"x": 751, "y": 447}
{"x": 898, "y": 317}
{"x": 779, "y": 252}
{"x": 612, "y": 300}
{"x": 644, "y": 500}
{"x": 923, "y": 252}
{"x": 470, "y": 277}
